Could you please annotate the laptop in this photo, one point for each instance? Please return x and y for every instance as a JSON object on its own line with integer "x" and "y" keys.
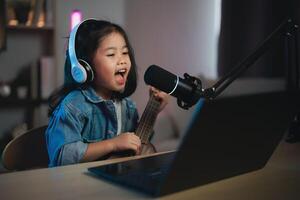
{"x": 225, "y": 137}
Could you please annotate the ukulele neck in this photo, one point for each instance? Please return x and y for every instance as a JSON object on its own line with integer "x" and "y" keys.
{"x": 148, "y": 118}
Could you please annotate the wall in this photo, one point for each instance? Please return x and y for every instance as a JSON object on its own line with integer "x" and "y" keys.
{"x": 180, "y": 36}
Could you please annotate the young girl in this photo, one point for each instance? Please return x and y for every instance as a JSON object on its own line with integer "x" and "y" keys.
{"x": 94, "y": 119}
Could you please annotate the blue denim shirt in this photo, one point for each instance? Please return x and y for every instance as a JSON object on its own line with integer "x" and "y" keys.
{"x": 84, "y": 117}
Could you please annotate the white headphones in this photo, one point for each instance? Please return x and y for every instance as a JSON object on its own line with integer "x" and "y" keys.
{"x": 80, "y": 69}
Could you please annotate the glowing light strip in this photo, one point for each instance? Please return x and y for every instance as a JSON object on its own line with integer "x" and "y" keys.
{"x": 76, "y": 18}
{"x": 177, "y": 81}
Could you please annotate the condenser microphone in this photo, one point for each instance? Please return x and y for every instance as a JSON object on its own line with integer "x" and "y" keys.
{"x": 187, "y": 90}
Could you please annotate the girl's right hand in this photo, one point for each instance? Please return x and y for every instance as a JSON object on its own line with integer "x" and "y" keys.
{"x": 126, "y": 141}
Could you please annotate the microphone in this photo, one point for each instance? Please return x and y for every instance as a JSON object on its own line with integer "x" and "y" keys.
{"x": 187, "y": 90}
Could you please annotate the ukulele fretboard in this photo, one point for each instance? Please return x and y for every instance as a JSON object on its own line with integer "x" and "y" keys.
{"x": 146, "y": 123}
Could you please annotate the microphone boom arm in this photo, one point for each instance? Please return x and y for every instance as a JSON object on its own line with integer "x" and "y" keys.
{"x": 287, "y": 29}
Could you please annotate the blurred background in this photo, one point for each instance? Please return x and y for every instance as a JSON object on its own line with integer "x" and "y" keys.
{"x": 205, "y": 38}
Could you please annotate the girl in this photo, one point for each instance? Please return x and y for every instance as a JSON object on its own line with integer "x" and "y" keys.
{"x": 94, "y": 119}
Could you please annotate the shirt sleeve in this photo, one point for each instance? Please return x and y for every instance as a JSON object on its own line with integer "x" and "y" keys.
{"x": 64, "y": 140}
{"x": 72, "y": 153}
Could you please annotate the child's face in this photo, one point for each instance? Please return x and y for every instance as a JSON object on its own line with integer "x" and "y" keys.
{"x": 111, "y": 64}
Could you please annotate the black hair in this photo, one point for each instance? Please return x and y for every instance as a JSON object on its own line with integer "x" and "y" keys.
{"x": 88, "y": 38}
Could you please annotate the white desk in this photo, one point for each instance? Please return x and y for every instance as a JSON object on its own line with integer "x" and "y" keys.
{"x": 280, "y": 179}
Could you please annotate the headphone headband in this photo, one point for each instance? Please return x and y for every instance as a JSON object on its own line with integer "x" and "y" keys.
{"x": 81, "y": 71}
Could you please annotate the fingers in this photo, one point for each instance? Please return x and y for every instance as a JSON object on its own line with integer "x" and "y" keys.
{"x": 160, "y": 96}
{"x": 156, "y": 93}
{"x": 127, "y": 141}
{"x": 135, "y": 143}
{"x": 153, "y": 90}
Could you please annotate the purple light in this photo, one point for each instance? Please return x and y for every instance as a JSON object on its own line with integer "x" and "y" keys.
{"x": 76, "y": 18}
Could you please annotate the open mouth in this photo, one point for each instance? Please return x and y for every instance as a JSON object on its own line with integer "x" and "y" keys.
{"x": 121, "y": 72}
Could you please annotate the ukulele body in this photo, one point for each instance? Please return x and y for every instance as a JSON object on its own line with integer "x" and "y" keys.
{"x": 144, "y": 130}
{"x": 147, "y": 148}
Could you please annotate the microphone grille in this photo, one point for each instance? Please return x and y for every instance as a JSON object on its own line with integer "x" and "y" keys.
{"x": 160, "y": 78}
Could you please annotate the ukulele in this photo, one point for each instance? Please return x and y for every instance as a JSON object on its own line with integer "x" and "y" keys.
{"x": 145, "y": 125}
{"x": 144, "y": 130}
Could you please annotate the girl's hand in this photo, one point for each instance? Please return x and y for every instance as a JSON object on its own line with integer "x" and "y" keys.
{"x": 160, "y": 96}
{"x": 126, "y": 141}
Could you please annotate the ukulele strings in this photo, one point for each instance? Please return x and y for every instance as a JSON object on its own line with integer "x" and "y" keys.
{"x": 148, "y": 119}
{"x": 143, "y": 121}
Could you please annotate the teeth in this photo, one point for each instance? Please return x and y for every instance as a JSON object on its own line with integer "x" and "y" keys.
{"x": 122, "y": 71}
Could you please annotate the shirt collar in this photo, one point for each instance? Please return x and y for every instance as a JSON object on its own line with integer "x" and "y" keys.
{"x": 91, "y": 95}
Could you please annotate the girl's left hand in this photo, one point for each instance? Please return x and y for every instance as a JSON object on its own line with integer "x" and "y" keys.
{"x": 161, "y": 96}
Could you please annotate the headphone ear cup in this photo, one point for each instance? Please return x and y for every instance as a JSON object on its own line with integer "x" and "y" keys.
{"x": 78, "y": 73}
{"x": 88, "y": 69}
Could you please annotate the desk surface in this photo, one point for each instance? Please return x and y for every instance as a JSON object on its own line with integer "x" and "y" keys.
{"x": 280, "y": 179}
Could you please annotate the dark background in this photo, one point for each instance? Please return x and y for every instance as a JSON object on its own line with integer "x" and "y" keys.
{"x": 244, "y": 25}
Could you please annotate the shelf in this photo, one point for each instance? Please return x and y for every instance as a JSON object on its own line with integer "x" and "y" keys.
{"x": 30, "y": 28}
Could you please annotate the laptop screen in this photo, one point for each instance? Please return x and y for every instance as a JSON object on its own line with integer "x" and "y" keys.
{"x": 231, "y": 136}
